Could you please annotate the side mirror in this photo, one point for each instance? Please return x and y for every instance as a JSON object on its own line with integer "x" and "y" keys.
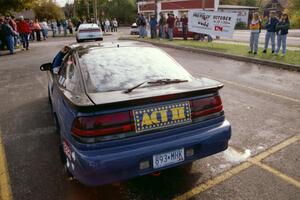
{"x": 46, "y": 66}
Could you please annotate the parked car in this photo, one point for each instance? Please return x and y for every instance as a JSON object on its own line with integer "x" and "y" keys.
{"x": 89, "y": 32}
{"x": 129, "y": 109}
{"x": 134, "y": 30}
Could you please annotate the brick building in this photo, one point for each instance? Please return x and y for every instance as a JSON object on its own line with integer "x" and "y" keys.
{"x": 177, "y": 7}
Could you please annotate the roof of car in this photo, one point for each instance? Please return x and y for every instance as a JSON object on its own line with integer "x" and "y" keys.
{"x": 117, "y": 44}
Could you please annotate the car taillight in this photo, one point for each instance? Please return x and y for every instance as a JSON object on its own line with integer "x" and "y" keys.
{"x": 103, "y": 124}
{"x": 206, "y": 106}
{"x": 89, "y": 30}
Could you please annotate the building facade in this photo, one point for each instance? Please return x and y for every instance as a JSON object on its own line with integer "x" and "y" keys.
{"x": 177, "y": 7}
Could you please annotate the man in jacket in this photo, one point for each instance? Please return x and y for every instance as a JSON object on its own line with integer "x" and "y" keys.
{"x": 170, "y": 22}
{"x": 153, "y": 24}
{"x": 184, "y": 21}
{"x": 24, "y": 30}
{"x": 271, "y": 29}
{"x": 9, "y": 35}
{"x": 162, "y": 23}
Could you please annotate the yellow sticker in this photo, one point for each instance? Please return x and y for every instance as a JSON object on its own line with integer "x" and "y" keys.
{"x": 162, "y": 116}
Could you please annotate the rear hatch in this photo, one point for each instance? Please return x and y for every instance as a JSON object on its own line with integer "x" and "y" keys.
{"x": 140, "y": 90}
{"x": 118, "y": 115}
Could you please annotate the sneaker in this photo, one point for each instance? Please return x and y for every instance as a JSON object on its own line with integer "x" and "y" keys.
{"x": 249, "y": 51}
{"x": 264, "y": 51}
{"x": 255, "y": 53}
{"x": 28, "y": 48}
{"x": 273, "y": 52}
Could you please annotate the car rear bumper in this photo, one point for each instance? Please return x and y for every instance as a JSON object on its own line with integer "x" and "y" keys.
{"x": 98, "y": 167}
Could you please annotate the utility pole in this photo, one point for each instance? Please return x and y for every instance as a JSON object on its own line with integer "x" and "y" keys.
{"x": 95, "y": 9}
{"x": 156, "y": 9}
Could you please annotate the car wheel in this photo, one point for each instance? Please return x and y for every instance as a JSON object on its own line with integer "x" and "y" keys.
{"x": 49, "y": 97}
{"x": 99, "y": 39}
{"x": 78, "y": 40}
{"x": 196, "y": 36}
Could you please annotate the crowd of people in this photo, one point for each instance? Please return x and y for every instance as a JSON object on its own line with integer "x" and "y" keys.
{"x": 275, "y": 27}
{"x": 16, "y": 31}
{"x": 165, "y": 26}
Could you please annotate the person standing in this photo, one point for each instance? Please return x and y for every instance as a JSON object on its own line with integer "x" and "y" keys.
{"x": 115, "y": 25}
{"x": 58, "y": 26}
{"x": 54, "y": 28}
{"x": 142, "y": 26}
{"x": 282, "y": 29}
{"x": 184, "y": 22}
{"x": 37, "y": 29}
{"x": 271, "y": 29}
{"x": 13, "y": 24}
{"x": 106, "y": 24}
{"x": 255, "y": 27}
{"x": 24, "y": 31}
{"x": 170, "y": 22}
{"x": 162, "y": 23}
{"x": 3, "y": 43}
{"x": 70, "y": 26}
{"x": 44, "y": 27}
{"x": 9, "y": 35}
{"x": 65, "y": 26}
{"x": 153, "y": 24}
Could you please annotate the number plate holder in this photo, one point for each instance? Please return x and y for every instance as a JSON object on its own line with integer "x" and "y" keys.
{"x": 168, "y": 158}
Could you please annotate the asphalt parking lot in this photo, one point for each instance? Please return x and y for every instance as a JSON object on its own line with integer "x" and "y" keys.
{"x": 262, "y": 162}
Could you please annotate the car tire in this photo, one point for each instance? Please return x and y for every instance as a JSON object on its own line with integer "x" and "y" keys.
{"x": 49, "y": 97}
{"x": 78, "y": 40}
{"x": 99, "y": 39}
{"x": 196, "y": 36}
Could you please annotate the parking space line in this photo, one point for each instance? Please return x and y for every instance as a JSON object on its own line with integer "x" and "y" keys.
{"x": 243, "y": 166}
{"x": 276, "y": 148}
{"x": 253, "y": 89}
{"x": 5, "y": 188}
{"x": 215, "y": 181}
{"x": 276, "y": 173}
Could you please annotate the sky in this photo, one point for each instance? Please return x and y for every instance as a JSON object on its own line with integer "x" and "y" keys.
{"x": 63, "y": 2}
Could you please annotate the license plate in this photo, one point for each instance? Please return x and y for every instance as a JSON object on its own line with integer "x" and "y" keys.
{"x": 90, "y": 36}
{"x": 162, "y": 116}
{"x": 168, "y": 158}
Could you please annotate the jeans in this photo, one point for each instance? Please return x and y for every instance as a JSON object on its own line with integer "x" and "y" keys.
{"x": 184, "y": 32}
{"x": 170, "y": 33}
{"x": 142, "y": 31}
{"x": 10, "y": 43}
{"x": 281, "y": 39}
{"x": 161, "y": 31}
{"x": 267, "y": 39}
{"x": 24, "y": 38}
{"x": 153, "y": 32}
{"x": 65, "y": 31}
{"x": 254, "y": 41}
{"x": 45, "y": 33}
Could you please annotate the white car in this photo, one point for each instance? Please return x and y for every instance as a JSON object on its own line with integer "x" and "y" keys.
{"x": 89, "y": 32}
{"x": 134, "y": 30}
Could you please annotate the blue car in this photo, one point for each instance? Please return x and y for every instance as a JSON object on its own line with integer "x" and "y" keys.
{"x": 128, "y": 109}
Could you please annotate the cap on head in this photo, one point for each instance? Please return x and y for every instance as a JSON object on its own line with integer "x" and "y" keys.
{"x": 21, "y": 17}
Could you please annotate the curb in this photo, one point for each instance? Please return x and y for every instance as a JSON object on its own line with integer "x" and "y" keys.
{"x": 224, "y": 55}
{"x": 6, "y": 52}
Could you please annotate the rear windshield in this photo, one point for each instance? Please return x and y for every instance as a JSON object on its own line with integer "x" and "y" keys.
{"x": 111, "y": 69}
{"x": 88, "y": 26}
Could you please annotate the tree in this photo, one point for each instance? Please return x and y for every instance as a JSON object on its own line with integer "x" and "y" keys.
{"x": 15, "y": 5}
{"x": 48, "y": 10}
{"x": 293, "y": 11}
{"x": 123, "y": 10}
